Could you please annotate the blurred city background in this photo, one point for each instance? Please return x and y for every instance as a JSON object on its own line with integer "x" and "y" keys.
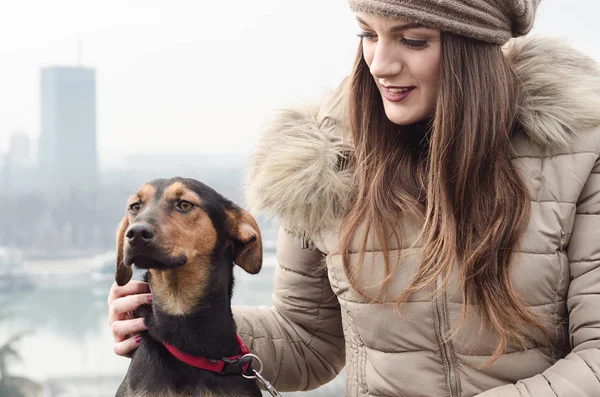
{"x": 98, "y": 97}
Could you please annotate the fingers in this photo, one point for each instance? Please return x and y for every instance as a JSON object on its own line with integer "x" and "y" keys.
{"x": 122, "y": 302}
{"x": 122, "y": 329}
{"x": 121, "y": 306}
{"x": 126, "y": 347}
{"x": 131, "y": 288}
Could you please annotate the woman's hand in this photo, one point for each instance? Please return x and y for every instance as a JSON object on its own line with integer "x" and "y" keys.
{"x": 122, "y": 301}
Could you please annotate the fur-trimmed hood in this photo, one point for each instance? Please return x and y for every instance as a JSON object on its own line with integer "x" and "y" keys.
{"x": 297, "y": 173}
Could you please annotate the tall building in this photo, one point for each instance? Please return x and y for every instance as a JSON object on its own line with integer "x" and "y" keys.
{"x": 67, "y": 145}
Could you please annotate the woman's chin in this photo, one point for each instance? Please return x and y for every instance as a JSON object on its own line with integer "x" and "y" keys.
{"x": 404, "y": 115}
{"x": 403, "y": 119}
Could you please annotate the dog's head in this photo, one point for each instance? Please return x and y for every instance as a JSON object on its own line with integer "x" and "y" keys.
{"x": 180, "y": 229}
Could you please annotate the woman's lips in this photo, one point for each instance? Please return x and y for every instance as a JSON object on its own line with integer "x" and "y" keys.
{"x": 397, "y": 94}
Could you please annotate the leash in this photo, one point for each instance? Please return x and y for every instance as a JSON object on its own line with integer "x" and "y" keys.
{"x": 234, "y": 365}
{"x": 265, "y": 383}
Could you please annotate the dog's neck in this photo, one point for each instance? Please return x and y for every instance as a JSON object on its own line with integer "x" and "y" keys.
{"x": 207, "y": 330}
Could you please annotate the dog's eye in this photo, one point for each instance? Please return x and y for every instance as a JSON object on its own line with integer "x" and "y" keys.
{"x": 185, "y": 205}
{"x": 135, "y": 207}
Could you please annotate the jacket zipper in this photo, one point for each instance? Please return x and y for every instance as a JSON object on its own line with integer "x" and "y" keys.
{"x": 304, "y": 241}
{"x": 446, "y": 349}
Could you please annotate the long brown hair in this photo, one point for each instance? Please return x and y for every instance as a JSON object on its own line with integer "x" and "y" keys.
{"x": 457, "y": 179}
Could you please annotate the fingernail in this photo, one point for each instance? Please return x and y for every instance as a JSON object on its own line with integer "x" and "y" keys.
{"x": 138, "y": 339}
{"x": 149, "y": 298}
{"x": 148, "y": 287}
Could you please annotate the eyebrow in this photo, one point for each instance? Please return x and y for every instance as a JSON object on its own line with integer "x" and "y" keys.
{"x": 397, "y": 28}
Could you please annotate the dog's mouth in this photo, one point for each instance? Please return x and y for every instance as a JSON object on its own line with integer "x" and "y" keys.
{"x": 158, "y": 261}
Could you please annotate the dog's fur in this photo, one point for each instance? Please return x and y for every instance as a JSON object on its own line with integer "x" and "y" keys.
{"x": 189, "y": 263}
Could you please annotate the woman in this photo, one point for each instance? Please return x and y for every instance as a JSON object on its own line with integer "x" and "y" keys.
{"x": 452, "y": 188}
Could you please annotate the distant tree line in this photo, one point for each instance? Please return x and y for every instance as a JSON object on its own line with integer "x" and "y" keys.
{"x": 52, "y": 221}
{"x": 80, "y": 219}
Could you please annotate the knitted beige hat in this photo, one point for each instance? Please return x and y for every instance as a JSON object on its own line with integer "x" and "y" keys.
{"x": 494, "y": 21}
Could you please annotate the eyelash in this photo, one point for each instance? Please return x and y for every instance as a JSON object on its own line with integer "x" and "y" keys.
{"x": 406, "y": 42}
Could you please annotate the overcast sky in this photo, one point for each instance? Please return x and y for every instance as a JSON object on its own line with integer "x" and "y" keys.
{"x": 188, "y": 76}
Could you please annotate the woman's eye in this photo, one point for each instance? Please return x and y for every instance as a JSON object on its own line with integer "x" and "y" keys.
{"x": 185, "y": 205}
{"x": 413, "y": 43}
{"x": 367, "y": 35}
{"x": 135, "y": 207}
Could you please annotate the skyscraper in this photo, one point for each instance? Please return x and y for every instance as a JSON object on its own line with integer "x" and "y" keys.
{"x": 67, "y": 145}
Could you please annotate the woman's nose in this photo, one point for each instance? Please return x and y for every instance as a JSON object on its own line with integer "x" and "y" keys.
{"x": 385, "y": 63}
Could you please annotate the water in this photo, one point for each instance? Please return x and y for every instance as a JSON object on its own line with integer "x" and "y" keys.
{"x": 67, "y": 346}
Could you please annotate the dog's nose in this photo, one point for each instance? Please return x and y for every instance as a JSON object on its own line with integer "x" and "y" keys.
{"x": 140, "y": 234}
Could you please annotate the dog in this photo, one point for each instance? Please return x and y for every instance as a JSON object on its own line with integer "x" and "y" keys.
{"x": 187, "y": 237}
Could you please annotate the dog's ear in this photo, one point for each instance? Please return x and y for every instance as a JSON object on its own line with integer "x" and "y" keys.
{"x": 123, "y": 272}
{"x": 246, "y": 239}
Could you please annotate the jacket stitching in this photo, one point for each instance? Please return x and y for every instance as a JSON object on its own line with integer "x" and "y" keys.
{"x": 539, "y": 348}
{"x": 400, "y": 351}
{"x": 291, "y": 342}
{"x": 587, "y": 271}
{"x": 558, "y": 331}
{"x": 534, "y": 253}
{"x": 536, "y": 305}
{"x": 376, "y": 251}
{"x": 554, "y": 201}
{"x": 294, "y": 342}
{"x": 381, "y": 304}
{"x": 583, "y": 294}
{"x": 452, "y": 302}
{"x": 318, "y": 314}
{"x": 280, "y": 363}
{"x": 549, "y": 385}
{"x": 585, "y": 261}
{"x": 301, "y": 273}
{"x": 449, "y": 301}
{"x": 361, "y": 362}
{"x": 520, "y": 386}
{"x": 591, "y": 369}
{"x": 555, "y": 155}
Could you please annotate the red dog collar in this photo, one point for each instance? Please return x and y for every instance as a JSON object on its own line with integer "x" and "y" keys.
{"x": 227, "y": 365}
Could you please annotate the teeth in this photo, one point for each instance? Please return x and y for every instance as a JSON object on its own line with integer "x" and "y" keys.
{"x": 398, "y": 90}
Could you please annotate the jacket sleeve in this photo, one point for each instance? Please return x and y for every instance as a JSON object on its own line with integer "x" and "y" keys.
{"x": 578, "y": 374}
{"x": 299, "y": 339}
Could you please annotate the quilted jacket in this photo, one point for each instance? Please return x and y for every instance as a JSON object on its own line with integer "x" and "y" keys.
{"x": 318, "y": 323}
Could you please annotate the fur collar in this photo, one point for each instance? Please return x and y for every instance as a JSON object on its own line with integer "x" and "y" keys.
{"x": 295, "y": 172}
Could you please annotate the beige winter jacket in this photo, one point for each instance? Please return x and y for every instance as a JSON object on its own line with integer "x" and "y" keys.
{"x": 318, "y": 323}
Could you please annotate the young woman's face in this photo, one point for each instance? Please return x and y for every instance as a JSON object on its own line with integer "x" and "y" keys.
{"x": 404, "y": 59}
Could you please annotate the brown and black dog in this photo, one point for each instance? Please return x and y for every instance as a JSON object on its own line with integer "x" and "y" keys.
{"x": 188, "y": 237}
